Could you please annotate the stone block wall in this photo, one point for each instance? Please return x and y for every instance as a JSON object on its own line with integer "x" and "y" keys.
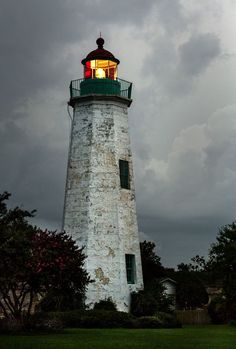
{"x": 98, "y": 213}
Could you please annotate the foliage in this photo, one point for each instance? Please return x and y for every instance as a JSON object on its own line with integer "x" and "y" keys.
{"x": 150, "y": 300}
{"x": 69, "y": 318}
{"x": 190, "y": 291}
{"x": 219, "y": 271}
{"x": 57, "y": 299}
{"x": 99, "y": 319}
{"x": 149, "y": 322}
{"x": 35, "y": 262}
{"x": 143, "y": 304}
{"x": 151, "y": 263}
{"x": 85, "y": 319}
{"x": 168, "y": 320}
{"x": 105, "y": 304}
{"x": 153, "y": 298}
{"x": 106, "y": 319}
{"x": 222, "y": 262}
{"x": 43, "y": 322}
{"x": 198, "y": 264}
{"x": 15, "y": 236}
{"x": 159, "y": 320}
{"x": 217, "y": 310}
{"x": 9, "y": 325}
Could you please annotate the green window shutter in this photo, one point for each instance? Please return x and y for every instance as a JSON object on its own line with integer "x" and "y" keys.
{"x": 130, "y": 268}
{"x": 124, "y": 174}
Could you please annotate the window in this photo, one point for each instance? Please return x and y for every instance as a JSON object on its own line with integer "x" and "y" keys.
{"x": 130, "y": 268}
{"x": 124, "y": 174}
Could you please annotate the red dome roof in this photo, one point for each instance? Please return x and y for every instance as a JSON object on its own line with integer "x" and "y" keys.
{"x": 100, "y": 53}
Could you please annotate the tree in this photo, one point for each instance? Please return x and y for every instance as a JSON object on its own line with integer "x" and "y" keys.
{"x": 153, "y": 297}
{"x": 190, "y": 292}
{"x": 34, "y": 262}
{"x": 151, "y": 263}
{"x": 151, "y": 300}
{"x": 198, "y": 264}
{"x": 57, "y": 270}
{"x": 222, "y": 265}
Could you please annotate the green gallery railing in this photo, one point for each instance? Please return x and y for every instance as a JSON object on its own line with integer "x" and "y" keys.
{"x": 83, "y": 87}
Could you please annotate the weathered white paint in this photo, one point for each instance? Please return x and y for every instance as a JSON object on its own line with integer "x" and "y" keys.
{"x": 98, "y": 213}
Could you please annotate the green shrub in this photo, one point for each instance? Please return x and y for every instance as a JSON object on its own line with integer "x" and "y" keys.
{"x": 168, "y": 320}
{"x": 148, "y": 322}
{"x": 70, "y": 318}
{"x": 105, "y": 304}
{"x": 10, "y": 325}
{"x": 81, "y": 319}
{"x": 55, "y": 321}
{"x": 143, "y": 304}
{"x": 160, "y": 320}
{"x": 43, "y": 322}
{"x": 58, "y": 301}
{"x": 231, "y": 309}
{"x": 106, "y": 319}
{"x": 150, "y": 300}
{"x": 217, "y": 311}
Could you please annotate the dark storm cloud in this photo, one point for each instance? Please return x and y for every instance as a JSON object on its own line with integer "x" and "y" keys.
{"x": 32, "y": 171}
{"x": 35, "y": 36}
{"x": 180, "y": 240}
{"x": 171, "y": 16}
{"x": 198, "y": 52}
{"x": 35, "y": 62}
{"x": 178, "y": 66}
{"x": 184, "y": 170}
{"x": 184, "y": 199}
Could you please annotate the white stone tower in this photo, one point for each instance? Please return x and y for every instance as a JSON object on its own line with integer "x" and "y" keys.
{"x": 100, "y": 208}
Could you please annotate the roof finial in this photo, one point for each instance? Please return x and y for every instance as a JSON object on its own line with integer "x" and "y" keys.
{"x": 100, "y": 42}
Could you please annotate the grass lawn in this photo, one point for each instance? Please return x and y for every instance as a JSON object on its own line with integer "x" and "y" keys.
{"x": 191, "y": 337}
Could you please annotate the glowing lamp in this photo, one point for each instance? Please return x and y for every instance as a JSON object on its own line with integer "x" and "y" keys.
{"x": 100, "y": 63}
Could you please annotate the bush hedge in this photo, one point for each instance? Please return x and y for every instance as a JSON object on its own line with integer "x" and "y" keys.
{"x": 105, "y": 304}
{"x": 168, "y": 320}
{"x": 100, "y": 319}
{"x": 42, "y": 322}
{"x": 148, "y": 322}
{"x": 83, "y": 319}
{"x": 217, "y": 311}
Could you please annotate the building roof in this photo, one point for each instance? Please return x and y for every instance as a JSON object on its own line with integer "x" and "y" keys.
{"x": 100, "y": 53}
{"x": 167, "y": 279}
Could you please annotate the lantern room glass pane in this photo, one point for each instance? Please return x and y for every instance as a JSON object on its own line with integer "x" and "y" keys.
{"x": 87, "y": 71}
{"x": 102, "y": 63}
{"x": 100, "y": 69}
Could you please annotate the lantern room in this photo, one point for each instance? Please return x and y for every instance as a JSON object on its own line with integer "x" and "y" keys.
{"x": 100, "y": 63}
{"x": 100, "y": 76}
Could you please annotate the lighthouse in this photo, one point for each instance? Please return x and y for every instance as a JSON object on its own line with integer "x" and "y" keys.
{"x": 100, "y": 207}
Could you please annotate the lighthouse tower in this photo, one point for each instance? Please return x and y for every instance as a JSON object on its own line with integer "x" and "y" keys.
{"x": 100, "y": 208}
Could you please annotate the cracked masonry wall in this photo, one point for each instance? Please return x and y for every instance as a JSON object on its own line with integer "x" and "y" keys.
{"x": 98, "y": 213}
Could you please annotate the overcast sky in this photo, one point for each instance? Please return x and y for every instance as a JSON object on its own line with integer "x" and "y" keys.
{"x": 181, "y": 57}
